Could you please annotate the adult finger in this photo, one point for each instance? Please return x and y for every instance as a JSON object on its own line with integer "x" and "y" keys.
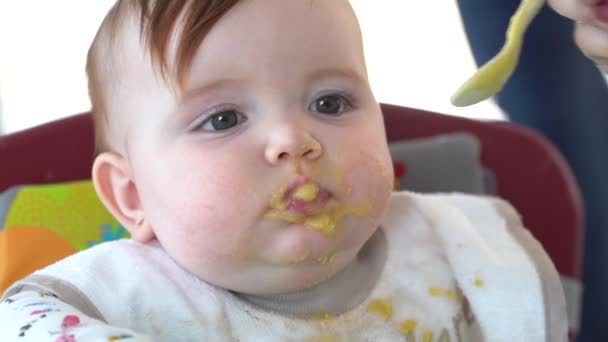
{"x": 574, "y": 9}
{"x": 593, "y": 41}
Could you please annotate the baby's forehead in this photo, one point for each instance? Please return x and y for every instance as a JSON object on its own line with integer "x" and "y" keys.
{"x": 169, "y": 41}
{"x": 134, "y": 54}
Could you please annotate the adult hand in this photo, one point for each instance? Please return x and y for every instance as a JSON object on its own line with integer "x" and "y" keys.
{"x": 591, "y": 19}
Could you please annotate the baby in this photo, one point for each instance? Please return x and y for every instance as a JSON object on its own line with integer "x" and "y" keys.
{"x": 240, "y": 144}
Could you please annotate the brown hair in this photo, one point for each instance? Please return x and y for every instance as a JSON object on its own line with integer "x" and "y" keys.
{"x": 158, "y": 21}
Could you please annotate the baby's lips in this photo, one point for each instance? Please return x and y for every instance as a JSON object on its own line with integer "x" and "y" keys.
{"x": 309, "y": 207}
{"x": 306, "y": 193}
{"x": 302, "y": 188}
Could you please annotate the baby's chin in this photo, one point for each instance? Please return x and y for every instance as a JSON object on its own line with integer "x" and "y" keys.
{"x": 282, "y": 279}
{"x": 263, "y": 278}
{"x": 298, "y": 259}
{"x": 319, "y": 241}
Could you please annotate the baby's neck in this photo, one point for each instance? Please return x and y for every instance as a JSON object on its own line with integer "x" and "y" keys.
{"x": 338, "y": 294}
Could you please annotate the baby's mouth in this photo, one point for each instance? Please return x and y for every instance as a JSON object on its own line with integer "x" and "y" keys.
{"x": 305, "y": 198}
{"x": 305, "y": 202}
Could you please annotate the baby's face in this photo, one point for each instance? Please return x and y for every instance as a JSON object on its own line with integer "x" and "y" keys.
{"x": 272, "y": 170}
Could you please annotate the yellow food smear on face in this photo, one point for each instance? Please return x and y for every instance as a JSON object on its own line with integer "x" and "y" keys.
{"x": 328, "y": 259}
{"x": 326, "y": 222}
{"x": 408, "y": 327}
{"x": 298, "y": 260}
{"x": 307, "y": 192}
{"x": 438, "y": 292}
{"x": 277, "y": 202}
{"x": 381, "y": 307}
{"x": 479, "y": 283}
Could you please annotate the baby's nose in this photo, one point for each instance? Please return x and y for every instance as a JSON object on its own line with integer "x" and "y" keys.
{"x": 290, "y": 144}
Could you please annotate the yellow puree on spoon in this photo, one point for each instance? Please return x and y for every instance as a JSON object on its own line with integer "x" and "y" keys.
{"x": 492, "y": 76}
{"x": 325, "y": 222}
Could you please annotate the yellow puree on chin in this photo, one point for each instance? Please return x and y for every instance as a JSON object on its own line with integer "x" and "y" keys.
{"x": 326, "y": 222}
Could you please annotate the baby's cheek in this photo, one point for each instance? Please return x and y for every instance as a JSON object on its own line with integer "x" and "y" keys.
{"x": 370, "y": 177}
{"x": 207, "y": 244}
{"x": 201, "y": 218}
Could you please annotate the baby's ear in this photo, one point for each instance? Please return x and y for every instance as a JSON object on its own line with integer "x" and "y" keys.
{"x": 116, "y": 189}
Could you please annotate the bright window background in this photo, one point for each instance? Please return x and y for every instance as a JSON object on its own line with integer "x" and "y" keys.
{"x": 416, "y": 51}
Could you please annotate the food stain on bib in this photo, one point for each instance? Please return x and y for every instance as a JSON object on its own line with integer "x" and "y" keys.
{"x": 439, "y": 292}
{"x": 408, "y": 327}
{"x": 381, "y": 307}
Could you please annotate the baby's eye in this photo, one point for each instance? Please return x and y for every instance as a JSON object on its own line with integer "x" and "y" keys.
{"x": 222, "y": 121}
{"x": 329, "y": 104}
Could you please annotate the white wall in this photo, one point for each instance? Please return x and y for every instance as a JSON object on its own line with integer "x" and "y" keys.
{"x": 417, "y": 56}
{"x": 43, "y": 47}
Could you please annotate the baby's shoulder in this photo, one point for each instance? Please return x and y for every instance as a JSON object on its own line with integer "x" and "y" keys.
{"x": 110, "y": 257}
{"x": 124, "y": 264}
{"x": 104, "y": 266}
{"x": 125, "y": 271}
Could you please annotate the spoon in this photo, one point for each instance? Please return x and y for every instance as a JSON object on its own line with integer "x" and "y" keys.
{"x": 492, "y": 76}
